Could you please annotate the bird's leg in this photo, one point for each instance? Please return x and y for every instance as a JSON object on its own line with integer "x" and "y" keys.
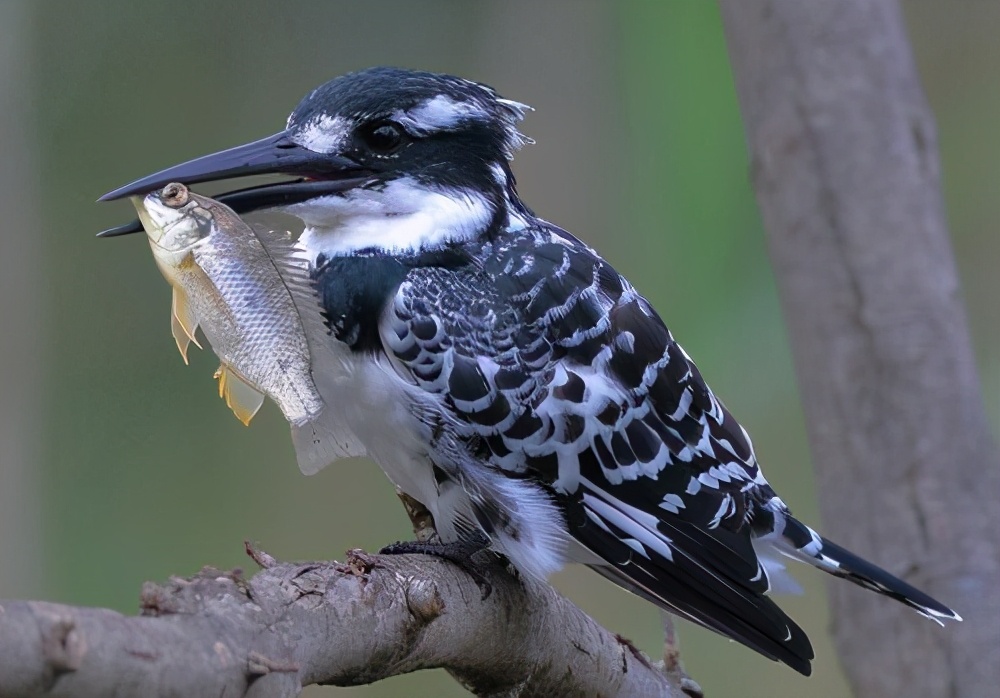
{"x": 458, "y": 552}
{"x": 420, "y": 517}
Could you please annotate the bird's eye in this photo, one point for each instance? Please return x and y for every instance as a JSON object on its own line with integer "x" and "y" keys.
{"x": 383, "y": 137}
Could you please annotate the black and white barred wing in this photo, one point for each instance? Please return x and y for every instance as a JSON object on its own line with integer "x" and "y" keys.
{"x": 557, "y": 371}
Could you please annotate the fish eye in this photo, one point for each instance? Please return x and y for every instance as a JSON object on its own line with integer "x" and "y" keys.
{"x": 383, "y": 137}
{"x": 174, "y": 195}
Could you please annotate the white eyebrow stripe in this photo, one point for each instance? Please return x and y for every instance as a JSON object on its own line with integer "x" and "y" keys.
{"x": 439, "y": 114}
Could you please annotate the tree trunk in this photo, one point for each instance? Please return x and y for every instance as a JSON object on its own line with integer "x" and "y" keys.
{"x": 844, "y": 162}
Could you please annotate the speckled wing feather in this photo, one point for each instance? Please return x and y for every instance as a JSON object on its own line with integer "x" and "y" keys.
{"x": 558, "y": 371}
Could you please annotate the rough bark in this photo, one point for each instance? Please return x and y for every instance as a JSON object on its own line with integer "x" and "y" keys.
{"x": 844, "y": 162}
{"x": 291, "y": 625}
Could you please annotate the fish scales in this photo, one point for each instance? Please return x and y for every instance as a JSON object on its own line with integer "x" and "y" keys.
{"x": 247, "y": 297}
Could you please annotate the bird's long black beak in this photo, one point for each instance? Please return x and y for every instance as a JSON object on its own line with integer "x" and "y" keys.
{"x": 318, "y": 174}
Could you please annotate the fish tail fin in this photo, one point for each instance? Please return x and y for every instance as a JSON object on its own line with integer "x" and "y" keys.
{"x": 320, "y": 442}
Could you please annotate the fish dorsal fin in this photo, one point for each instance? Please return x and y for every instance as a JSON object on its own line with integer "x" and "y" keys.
{"x": 241, "y": 397}
{"x": 183, "y": 323}
{"x": 292, "y": 263}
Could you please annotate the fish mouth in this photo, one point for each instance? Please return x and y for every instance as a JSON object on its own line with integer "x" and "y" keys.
{"x": 315, "y": 174}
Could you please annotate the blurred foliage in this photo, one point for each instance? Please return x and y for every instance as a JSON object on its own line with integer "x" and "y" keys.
{"x": 640, "y": 151}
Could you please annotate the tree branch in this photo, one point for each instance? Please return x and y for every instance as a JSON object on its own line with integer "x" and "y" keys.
{"x": 291, "y": 625}
{"x": 844, "y": 162}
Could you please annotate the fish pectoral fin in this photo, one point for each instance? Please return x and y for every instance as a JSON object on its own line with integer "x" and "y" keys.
{"x": 241, "y": 397}
{"x": 183, "y": 323}
{"x": 180, "y": 337}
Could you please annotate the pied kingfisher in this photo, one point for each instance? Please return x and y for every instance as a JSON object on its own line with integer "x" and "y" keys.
{"x": 505, "y": 375}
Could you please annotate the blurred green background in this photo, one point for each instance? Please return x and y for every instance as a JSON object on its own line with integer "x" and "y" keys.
{"x": 118, "y": 464}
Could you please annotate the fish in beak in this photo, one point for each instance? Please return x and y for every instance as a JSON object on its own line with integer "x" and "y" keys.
{"x": 248, "y": 292}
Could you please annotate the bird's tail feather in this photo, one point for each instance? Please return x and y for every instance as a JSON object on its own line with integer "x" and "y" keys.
{"x": 803, "y": 543}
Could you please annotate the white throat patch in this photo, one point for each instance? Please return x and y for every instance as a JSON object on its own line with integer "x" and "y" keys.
{"x": 403, "y": 216}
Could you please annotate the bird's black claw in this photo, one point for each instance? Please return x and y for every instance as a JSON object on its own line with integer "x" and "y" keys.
{"x": 458, "y": 553}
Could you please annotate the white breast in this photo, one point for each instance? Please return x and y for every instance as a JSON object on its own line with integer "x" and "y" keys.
{"x": 369, "y": 411}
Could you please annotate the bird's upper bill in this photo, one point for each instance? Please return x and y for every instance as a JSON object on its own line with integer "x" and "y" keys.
{"x": 277, "y": 154}
{"x": 363, "y": 127}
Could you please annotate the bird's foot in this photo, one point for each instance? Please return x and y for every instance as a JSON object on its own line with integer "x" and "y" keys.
{"x": 458, "y": 552}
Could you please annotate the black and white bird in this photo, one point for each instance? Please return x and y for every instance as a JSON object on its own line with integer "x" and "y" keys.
{"x": 505, "y": 375}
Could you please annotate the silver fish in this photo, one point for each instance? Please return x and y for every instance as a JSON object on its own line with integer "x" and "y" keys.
{"x": 247, "y": 298}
